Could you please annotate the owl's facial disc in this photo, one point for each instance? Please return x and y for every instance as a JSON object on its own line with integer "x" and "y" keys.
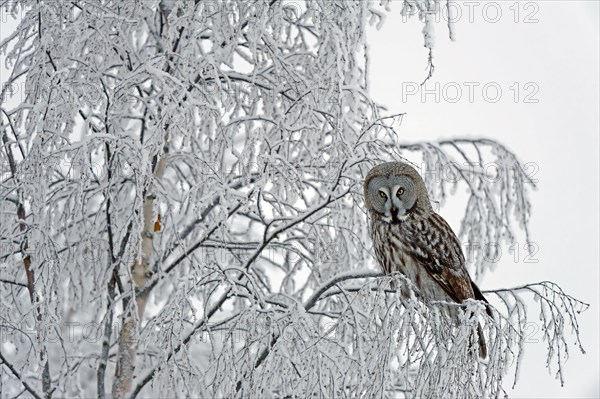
{"x": 393, "y": 197}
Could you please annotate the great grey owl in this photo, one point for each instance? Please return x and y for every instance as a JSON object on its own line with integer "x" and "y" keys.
{"x": 409, "y": 237}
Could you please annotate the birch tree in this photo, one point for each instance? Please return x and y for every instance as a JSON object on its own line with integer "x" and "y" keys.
{"x": 182, "y": 212}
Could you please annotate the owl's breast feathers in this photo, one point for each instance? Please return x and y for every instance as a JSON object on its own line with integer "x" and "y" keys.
{"x": 427, "y": 247}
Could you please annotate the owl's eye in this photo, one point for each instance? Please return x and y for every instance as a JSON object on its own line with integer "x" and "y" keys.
{"x": 382, "y": 194}
{"x": 400, "y": 192}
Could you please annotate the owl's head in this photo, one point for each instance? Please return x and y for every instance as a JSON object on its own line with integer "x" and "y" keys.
{"x": 394, "y": 191}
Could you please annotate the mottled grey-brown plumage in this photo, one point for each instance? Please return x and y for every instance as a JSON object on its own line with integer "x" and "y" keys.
{"x": 409, "y": 237}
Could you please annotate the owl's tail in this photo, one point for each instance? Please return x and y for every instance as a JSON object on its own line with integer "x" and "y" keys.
{"x": 479, "y": 296}
{"x": 481, "y": 341}
{"x": 480, "y": 338}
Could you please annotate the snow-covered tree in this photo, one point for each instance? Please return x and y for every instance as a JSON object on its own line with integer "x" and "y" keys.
{"x": 182, "y": 212}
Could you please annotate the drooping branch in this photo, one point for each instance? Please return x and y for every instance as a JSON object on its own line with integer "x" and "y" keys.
{"x": 18, "y": 376}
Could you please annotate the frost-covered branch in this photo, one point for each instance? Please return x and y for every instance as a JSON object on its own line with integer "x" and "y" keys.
{"x": 17, "y": 375}
{"x": 558, "y": 314}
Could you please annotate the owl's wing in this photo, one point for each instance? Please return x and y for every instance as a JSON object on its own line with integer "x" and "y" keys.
{"x": 435, "y": 246}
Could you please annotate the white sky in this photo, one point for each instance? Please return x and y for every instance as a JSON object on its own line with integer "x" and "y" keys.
{"x": 558, "y": 54}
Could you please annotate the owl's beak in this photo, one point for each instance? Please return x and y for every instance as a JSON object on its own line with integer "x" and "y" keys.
{"x": 394, "y": 210}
